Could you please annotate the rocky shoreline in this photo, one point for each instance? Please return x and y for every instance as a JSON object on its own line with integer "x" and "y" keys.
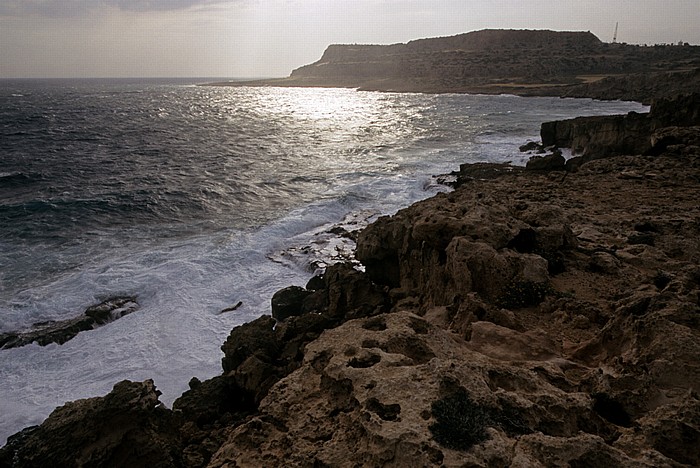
{"x": 545, "y": 316}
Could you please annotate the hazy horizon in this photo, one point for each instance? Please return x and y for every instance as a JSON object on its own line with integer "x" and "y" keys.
{"x": 270, "y": 38}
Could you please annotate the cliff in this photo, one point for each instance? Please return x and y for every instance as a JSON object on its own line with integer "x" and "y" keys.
{"x": 634, "y": 133}
{"x": 528, "y": 318}
{"x": 521, "y": 62}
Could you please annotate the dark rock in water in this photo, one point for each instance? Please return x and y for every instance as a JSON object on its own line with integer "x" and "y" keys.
{"x": 317, "y": 301}
{"x": 551, "y": 162}
{"x": 232, "y": 308}
{"x": 530, "y": 146}
{"x": 476, "y": 171}
{"x": 127, "y": 427}
{"x": 64, "y": 330}
{"x": 483, "y": 171}
{"x": 288, "y": 302}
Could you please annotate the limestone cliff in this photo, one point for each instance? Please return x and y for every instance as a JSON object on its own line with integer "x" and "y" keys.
{"x": 634, "y": 133}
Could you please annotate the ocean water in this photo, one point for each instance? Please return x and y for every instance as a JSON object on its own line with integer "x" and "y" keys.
{"x": 194, "y": 198}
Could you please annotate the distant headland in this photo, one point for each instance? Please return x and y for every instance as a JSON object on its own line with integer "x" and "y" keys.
{"x": 522, "y": 62}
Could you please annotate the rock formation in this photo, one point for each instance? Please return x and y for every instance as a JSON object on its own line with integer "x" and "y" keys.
{"x": 534, "y": 321}
{"x": 634, "y": 133}
{"x": 63, "y": 330}
{"x": 127, "y": 427}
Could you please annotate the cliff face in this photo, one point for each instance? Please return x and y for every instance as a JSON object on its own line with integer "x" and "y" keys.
{"x": 477, "y": 42}
{"x": 595, "y": 137}
{"x": 455, "y": 59}
{"x": 529, "y": 318}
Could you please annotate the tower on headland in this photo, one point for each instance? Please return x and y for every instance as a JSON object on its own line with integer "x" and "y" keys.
{"x": 615, "y": 35}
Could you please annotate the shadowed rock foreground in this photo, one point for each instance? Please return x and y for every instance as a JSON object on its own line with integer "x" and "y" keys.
{"x": 529, "y": 318}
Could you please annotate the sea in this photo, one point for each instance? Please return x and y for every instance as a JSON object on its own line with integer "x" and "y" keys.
{"x": 193, "y": 199}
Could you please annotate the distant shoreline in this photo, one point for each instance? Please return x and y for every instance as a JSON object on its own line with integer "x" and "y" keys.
{"x": 519, "y": 62}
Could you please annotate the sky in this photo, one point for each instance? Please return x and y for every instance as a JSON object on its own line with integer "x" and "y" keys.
{"x": 270, "y": 38}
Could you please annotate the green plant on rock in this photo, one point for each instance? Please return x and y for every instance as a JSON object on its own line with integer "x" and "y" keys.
{"x": 460, "y": 423}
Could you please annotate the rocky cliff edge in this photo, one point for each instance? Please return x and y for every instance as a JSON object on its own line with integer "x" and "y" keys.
{"x": 528, "y": 318}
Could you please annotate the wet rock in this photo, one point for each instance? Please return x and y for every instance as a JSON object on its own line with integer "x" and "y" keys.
{"x": 530, "y": 146}
{"x": 205, "y": 402}
{"x": 64, "y": 330}
{"x": 315, "y": 283}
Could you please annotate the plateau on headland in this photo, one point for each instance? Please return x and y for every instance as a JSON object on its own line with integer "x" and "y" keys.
{"x": 544, "y": 315}
{"x": 523, "y": 62}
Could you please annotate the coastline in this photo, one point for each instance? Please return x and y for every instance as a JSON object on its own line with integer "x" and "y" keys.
{"x": 546, "y": 304}
{"x": 639, "y": 87}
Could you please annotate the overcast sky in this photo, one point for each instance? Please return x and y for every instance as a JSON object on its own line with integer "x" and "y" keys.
{"x": 269, "y": 38}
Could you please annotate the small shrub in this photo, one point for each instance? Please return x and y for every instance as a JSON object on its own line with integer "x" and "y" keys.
{"x": 460, "y": 423}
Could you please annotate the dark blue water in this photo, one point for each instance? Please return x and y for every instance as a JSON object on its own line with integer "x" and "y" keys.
{"x": 190, "y": 198}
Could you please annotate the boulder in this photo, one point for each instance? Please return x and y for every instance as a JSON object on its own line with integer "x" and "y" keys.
{"x": 530, "y": 146}
{"x": 666, "y": 138}
{"x": 127, "y": 427}
{"x": 551, "y": 162}
{"x": 352, "y": 294}
{"x": 256, "y": 338}
{"x": 288, "y": 302}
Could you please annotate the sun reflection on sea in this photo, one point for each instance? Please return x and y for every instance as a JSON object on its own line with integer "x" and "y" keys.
{"x": 326, "y": 107}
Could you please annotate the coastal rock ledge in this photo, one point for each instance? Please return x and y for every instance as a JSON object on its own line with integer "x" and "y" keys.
{"x": 533, "y": 319}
